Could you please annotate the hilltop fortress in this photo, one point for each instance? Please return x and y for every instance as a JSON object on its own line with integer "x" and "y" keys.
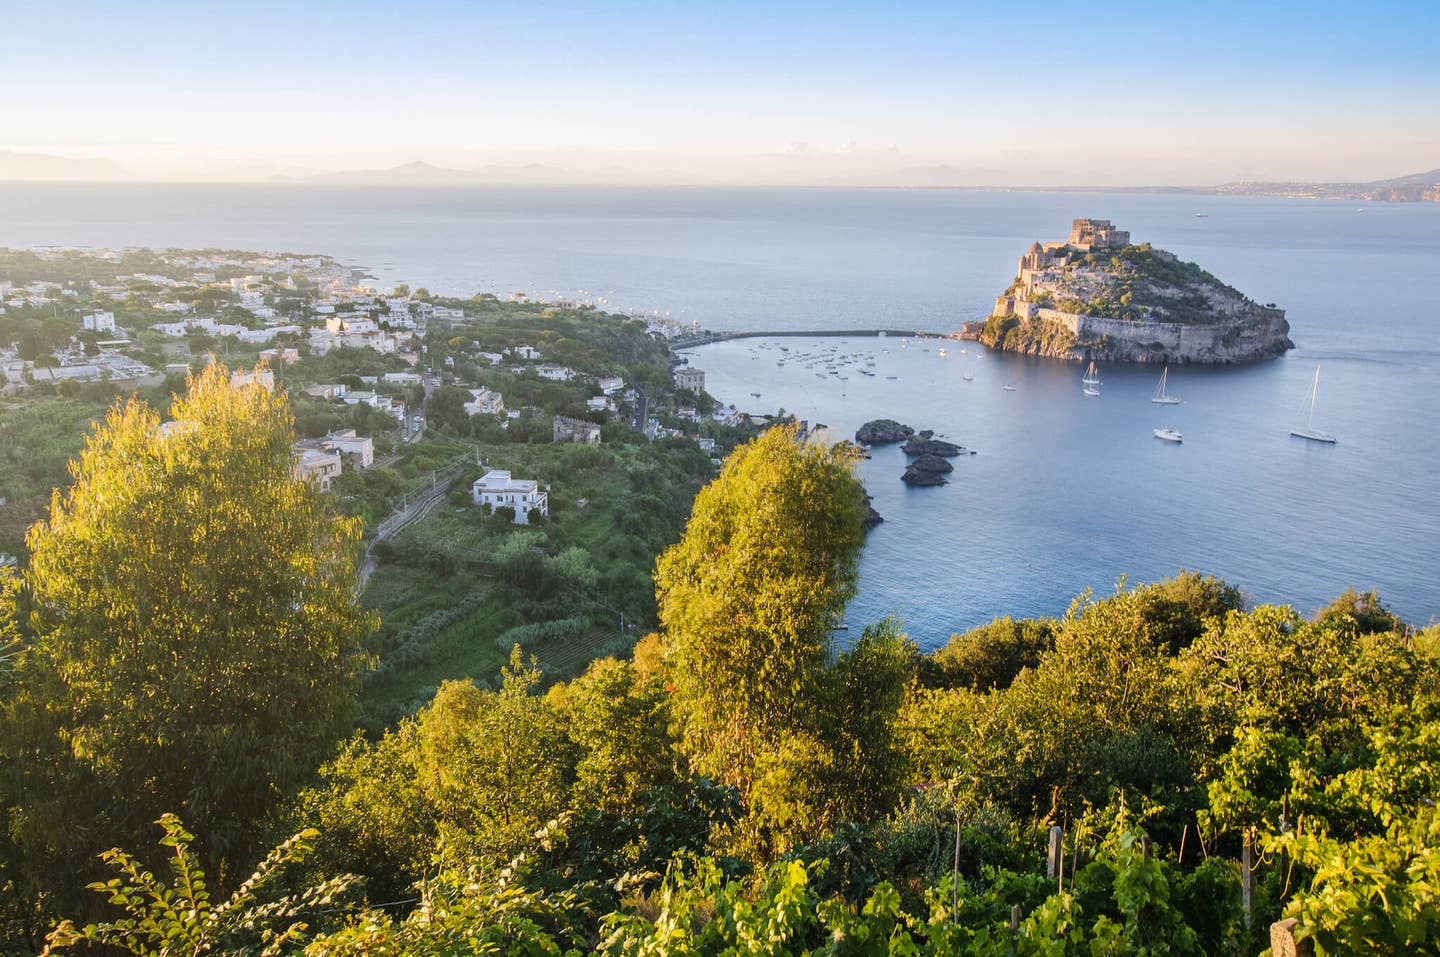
{"x": 1095, "y": 296}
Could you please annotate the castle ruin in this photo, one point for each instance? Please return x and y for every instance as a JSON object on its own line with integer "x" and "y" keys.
{"x": 1045, "y": 262}
{"x": 1091, "y": 234}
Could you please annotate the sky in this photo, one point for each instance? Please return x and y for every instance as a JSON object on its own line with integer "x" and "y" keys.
{"x": 1109, "y": 93}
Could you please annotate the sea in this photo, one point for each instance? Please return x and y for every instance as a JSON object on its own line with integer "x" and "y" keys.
{"x": 1067, "y": 493}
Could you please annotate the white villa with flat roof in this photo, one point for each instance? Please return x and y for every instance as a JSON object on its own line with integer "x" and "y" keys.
{"x": 346, "y": 442}
{"x": 496, "y": 488}
{"x": 98, "y": 322}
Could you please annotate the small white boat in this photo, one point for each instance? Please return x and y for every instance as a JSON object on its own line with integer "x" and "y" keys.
{"x": 1008, "y": 388}
{"x": 1169, "y": 435}
{"x": 1310, "y": 432}
{"x": 1091, "y": 380}
{"x": 968, "y": 378}
{"x": 1161, "y": 397}
{"x": 942, "y": 353}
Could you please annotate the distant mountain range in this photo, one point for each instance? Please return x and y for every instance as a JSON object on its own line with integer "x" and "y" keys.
{"x": 759, "y": 170}
{"x": 40, "y": 166}
{"x": 421, "y": 173}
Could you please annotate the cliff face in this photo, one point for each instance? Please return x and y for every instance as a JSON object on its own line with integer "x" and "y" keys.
{"x": 1129, "y": 303}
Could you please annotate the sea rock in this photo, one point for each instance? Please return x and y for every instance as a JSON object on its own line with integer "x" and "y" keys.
{"x": 872, "y": 517}
{"x": 926, "y": 444}
{"x": 914, "y": 476}
{"x": 882, "y": 432}
{"x": 932, "y": 463}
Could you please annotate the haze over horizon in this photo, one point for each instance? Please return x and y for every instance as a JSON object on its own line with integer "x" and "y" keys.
{"x": 840, "y": 94}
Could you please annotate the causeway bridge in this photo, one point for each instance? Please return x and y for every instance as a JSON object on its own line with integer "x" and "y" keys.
{"x": 689, "y": 342}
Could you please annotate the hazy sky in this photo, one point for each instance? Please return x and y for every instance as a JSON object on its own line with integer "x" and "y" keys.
{"x": 1107, "y": 92}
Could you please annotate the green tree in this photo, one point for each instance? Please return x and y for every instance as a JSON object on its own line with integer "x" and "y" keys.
{"x": 748, "y": 599}
{"x": 446, "y": 410}
{"x": 9, "y": 621}
{"x": 195, "y": 629}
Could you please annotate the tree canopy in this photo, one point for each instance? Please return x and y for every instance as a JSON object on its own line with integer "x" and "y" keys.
{"x": 195, "y": 634}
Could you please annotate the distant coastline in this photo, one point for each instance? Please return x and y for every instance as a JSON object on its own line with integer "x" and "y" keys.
{"x": 762, "y": 173}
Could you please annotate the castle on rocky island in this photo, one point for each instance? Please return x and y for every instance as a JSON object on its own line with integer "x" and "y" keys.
{"x": 1137, "y": 305}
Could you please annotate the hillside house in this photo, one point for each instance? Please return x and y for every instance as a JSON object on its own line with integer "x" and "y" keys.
{"x": 98, "y": 322}
{"x": 691, "y": 380}
{"x": 318, "y": 466}
{"x": 360, "y": 449}
{"x": 485, "y": 402}
{"x": 496, "y": 488}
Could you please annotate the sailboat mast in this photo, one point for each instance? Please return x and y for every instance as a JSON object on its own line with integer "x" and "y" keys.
{"x": 1314, "y": 393}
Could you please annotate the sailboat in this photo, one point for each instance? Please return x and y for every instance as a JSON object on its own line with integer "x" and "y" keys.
{"x": 1309, "y": 432}
{"x": 1091, "y": 380}
{"x": 1161, "y": 397}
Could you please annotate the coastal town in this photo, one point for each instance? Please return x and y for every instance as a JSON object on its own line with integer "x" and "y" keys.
{"x": 129, "y": 319}
{"x": 442, "y": 424}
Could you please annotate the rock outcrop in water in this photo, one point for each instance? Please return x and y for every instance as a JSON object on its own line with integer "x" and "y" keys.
{"x": 872, "y": 517}
{"x": 925, "y": 443}
{"x": 882, "y": 432}
{"x": 1096, "y": 296}
{"x": 927, "y": 470}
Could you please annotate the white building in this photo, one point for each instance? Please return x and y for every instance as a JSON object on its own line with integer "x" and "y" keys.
{"x": 318, "y": 466}
{"x": 256, "y": 336}
{"x": 692, "y": 380}
{"x": 402, "y": 378}
{"x": 98, "y": 322}
{"x": 484, "y": 402}
{"x": 176, "y": 330}
{"x": 261, "y": 377}
{"x": 524, "y": 352}
{"x": 348, "y": 325}
{"x": 496, "y": 488}
{"x": 555, "y": 373}
{"x": 601, "y": 403}
{"x": 322, "y": 341}
{"x": 494, "y": 358}
{"x": 384, "y": 403}
{"x": 611, "y": 384}
{"x": 346, "y": 442}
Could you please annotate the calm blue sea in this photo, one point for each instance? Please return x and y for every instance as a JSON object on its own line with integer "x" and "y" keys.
{"x": 1067, "y": 492}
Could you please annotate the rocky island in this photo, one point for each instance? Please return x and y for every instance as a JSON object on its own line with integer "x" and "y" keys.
{"x": 1096, "y": 296}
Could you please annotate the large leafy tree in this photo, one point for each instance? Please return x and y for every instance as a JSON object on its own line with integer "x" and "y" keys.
{"x": 196, "y": 633}
{"x": 749, "y": 599}
{"x": 749, "y": 596}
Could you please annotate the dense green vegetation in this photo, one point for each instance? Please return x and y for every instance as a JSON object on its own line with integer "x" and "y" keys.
{"x": 501, "y": 767}
{"x": 1149, "y": 283}
{"x": 1037, "y": 335}
{"x": 458, "y": 589}
{"x": 738, "y": 784}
